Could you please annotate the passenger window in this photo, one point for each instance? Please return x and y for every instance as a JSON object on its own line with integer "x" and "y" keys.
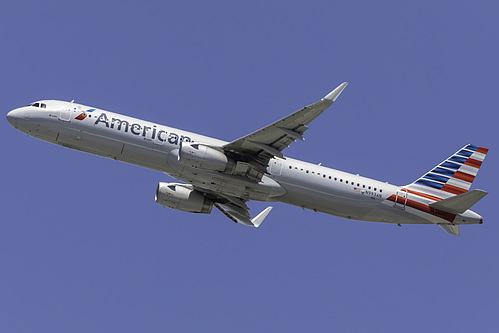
{"x": 380, "y": 190}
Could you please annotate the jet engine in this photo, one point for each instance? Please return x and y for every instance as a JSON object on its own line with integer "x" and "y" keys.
{"x": 201, "y": 156}
{"x": 182, "y": 197}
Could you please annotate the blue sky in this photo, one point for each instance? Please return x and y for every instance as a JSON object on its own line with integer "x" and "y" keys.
{"x": 84, "y": 247}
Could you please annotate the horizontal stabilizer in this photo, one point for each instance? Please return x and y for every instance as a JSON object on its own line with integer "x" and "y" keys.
{"x": 459, "y": 203}
{"x": 451, "y": 228}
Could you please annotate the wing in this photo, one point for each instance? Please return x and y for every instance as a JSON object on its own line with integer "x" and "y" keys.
{"x": 270, "y": 141}
{"x": 253, "y": 152}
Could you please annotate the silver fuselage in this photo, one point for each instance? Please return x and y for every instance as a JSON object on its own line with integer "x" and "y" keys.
{"x": 287, "y": 180}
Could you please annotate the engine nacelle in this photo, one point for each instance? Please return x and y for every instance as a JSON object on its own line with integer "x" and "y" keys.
{"x": 182, "y": 197}
{"x": 201, "y": 156}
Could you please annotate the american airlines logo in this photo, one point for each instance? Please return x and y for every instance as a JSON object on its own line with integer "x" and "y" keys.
{"x": 83, "y": 115}
{"x": 149, "y": 133}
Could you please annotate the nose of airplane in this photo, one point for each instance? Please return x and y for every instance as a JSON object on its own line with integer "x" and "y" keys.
{"x": 13, "y": 115}
{"x": 11, "y": 118}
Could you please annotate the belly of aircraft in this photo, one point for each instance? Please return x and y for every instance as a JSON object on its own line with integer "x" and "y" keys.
{"x": 360, "y": 208}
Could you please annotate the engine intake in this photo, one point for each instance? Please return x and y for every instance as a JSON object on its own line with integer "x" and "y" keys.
{"x": 182, "y": 197}
{"x": 201, "y": 156}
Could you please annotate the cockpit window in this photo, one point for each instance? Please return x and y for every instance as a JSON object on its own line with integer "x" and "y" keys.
{"x": 43, "y": 105}
{"x": 39, "y": 105}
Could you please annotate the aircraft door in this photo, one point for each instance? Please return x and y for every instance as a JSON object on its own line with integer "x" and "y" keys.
{"x": 65, "y": 115}
{"x": 401, "y": 198}
{"x": 275, "y": 167}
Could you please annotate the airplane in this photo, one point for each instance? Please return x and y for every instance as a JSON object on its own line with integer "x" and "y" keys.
{"x": 227, "y": 175}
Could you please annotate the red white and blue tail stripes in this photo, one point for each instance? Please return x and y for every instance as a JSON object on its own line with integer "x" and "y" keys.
{"x": 454, "y": 175}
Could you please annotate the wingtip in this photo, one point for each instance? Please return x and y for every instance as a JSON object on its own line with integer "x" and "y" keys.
{"x": 333, "y": 95}
{"x": 260, "y": 217}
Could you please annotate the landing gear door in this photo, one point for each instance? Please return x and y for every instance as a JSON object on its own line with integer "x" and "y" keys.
{"x": 401, "y": 198}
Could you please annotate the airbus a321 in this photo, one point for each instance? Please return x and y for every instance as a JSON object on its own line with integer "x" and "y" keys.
{"x": 228, "y": 175}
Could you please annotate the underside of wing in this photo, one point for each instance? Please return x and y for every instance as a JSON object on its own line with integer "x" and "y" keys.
{"x": 270, "y": 141}
{"x": 241, "y": 215}
{"x": 234, "y": 208}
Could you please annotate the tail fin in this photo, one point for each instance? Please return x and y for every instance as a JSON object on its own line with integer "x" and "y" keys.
{"x": 453, "y": 176}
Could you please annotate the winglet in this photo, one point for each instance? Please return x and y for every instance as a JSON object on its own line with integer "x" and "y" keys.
{"x": 333, "y": 95}
{"x": 260, "y": 217}
{"x": 241, "y": 215}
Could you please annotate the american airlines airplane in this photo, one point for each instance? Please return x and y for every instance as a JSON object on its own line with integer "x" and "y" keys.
{"x": 229, "y": 174}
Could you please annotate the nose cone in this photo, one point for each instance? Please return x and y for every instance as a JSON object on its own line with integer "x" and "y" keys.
{"x": 15, "y": 115}
{"x": 12, "y": 117}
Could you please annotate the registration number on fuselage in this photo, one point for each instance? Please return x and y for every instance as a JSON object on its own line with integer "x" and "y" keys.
{"x": 373, "y": 194}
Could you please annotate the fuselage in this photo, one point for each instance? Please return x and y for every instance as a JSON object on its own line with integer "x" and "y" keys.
{"x": 287, "y": 180}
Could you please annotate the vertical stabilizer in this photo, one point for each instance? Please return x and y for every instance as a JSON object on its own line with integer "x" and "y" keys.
{"x": 453, "y": 176}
